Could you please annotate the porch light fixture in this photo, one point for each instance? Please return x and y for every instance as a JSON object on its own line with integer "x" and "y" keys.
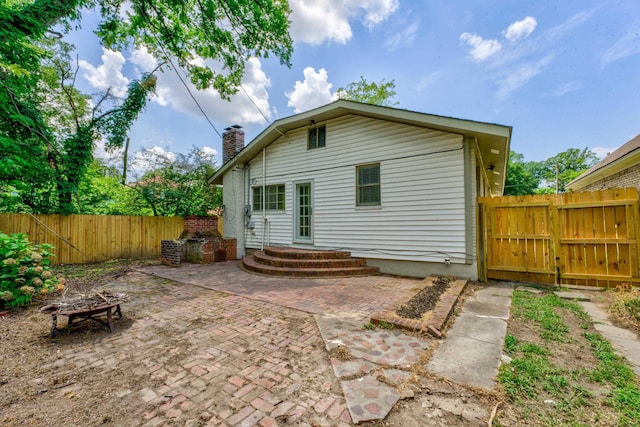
{"x": 312, "y": 122}
{"x": 494, "y": 151}
{"x": 491, "y": 167}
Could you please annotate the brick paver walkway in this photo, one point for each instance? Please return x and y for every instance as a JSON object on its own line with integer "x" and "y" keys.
{"x": 206, "y": 358}
{"x": 239, "y": 355}
{"x": 350, "y": 297}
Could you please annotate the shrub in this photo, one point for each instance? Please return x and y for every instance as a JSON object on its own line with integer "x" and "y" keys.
{"x": 626, "y": 307}
{"x": 24, "y": 271}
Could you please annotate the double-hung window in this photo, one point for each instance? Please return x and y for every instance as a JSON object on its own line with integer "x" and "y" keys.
{"x": 317, "y": 137}
{"x": 274, "y": 201}
{"x": 368, "y": 185}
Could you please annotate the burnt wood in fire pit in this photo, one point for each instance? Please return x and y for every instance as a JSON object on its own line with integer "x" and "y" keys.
{"x": 87, "y": 308}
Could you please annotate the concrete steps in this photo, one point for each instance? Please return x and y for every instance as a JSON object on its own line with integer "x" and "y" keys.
{"x": 306, "y": 263}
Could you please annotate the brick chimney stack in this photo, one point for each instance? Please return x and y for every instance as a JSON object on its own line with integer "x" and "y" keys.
{"x": 232, "y": 142}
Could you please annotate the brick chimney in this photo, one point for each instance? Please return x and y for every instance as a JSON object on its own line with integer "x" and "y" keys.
{"x": 232, "y": 142}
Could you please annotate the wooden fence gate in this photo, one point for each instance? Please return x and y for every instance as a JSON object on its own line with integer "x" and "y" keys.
{"x": 587, "y": 238}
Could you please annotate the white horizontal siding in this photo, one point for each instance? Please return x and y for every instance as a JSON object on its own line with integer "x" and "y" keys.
{"x": 422, "y": 216}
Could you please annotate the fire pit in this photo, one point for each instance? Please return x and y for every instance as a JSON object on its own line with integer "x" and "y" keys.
{"x": 104, "y": 302}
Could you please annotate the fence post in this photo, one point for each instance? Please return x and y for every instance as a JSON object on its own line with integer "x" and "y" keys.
{"x": 482, "y": 242}
{"x": 554, "y": 232}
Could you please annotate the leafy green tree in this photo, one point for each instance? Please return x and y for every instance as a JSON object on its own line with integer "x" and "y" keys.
{"x": 176, "y": 184}
{"x": 50, "y": 146}
{"x": 520, "y": 179}
{"x": 50, "y": 155}
{"x": 101, "y": 192}
{"x": 188, "y": 31}
{"x": 566, "y": 166}
{"x": 369, "y": 93}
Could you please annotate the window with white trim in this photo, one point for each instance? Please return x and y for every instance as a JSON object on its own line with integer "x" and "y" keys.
{"x": 368, "y": 185}
{"x": 317, "y": 137}
{"x": 275, "y": 200}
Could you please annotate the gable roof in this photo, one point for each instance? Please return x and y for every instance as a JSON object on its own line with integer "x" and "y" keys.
{"x": 493, "y": 139}
{"x": 614, "y": 162}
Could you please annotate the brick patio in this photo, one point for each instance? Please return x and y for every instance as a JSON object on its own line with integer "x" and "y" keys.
{"x": 352, "y": 297}
{"x": 236, "y": 356}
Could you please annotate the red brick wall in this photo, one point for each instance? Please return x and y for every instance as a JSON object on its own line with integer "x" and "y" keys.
{"x": 201, "y": 224}
{"x": 231, "y": 246}
{"x": 232, "y": 143}
{"x": 201, "y": 240}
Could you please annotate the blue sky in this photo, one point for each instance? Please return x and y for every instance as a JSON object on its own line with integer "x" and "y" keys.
{"x": 564, "y": 74}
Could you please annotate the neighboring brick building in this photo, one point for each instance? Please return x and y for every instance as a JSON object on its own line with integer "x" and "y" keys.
{"x": 619, "y": 169}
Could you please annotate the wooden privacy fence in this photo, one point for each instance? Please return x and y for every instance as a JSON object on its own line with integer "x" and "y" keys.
{"x": 587, "y": 238}
{"x": 94, "y": 238}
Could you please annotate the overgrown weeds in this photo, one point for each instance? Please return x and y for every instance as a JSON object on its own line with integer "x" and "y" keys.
{"x": 626, "y": 307}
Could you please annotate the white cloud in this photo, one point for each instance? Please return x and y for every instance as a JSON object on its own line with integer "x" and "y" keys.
{"x": 313, "y": 92}
{"x": 172, "y": 92}
{"x": 317, "y": 21}
{"x": 108, "y": 74}
{"x": 405, "y": 36}
{"x": 481, "y": 49}
{"x": 374, "y": 11}
{"x": 514, "y": 60}
{"x": 627, "y": 45}
{"x": 603, "y": 152}
{"x": 519, "y": 76}
{"x": 520, "y": 29}
{"x": 150, "y": 158}
{"x": 567, "y": 88}
{"x": 209, "y": 152}
{"x": 429, "y": 80}
{"x": 144, "y": 61}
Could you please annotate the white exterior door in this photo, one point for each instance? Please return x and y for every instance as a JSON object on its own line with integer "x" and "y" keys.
{"x": 303, "y": 213}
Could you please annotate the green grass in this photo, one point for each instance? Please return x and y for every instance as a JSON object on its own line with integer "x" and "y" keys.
{"x": 544, "y": 311}
{"x": 381, "y": 324}
{"x": 385, "y": 325}
{"x": 555, "y": 396}
{"x": 615, "y": 370}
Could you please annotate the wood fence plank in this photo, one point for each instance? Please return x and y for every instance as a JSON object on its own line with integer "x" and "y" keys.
{"x": 591, "y": 236}
{"x": 98, "y": 237}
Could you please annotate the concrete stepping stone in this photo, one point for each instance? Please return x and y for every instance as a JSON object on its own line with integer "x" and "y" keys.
{"x": 472, "y": 352}
{"x": 373, "y": 353}
{"x": 572, "y": 295}
{"x": 625, "y": 342}
{"x": 383, "y": 347}
{"x": 369, "y": 399}
{"x": 351, "y": 368}
{"x": 396, "y": 376}
{"x": 530, "y": 290}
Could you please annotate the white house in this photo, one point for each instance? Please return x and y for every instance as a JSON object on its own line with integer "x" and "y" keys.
{"x": 395, "y": 187}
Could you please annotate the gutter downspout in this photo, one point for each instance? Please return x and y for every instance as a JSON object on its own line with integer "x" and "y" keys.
{"x": 264, "y": 194}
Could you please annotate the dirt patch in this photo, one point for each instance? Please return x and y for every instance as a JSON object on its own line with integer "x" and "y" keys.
{"x": 565, "y": 393}
{"x": 178, "y": 357}
{"x": 424, "y": 300}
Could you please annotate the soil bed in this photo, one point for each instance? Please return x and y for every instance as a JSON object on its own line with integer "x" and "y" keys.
{"x": 425, "y": 300}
